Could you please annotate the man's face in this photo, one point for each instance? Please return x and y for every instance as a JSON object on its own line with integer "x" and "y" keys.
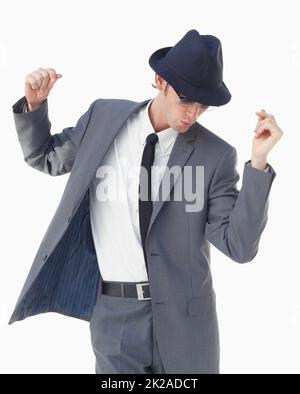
{"x": 177, "y": 112}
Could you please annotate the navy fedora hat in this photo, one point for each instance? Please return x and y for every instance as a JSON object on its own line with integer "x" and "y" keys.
{"x": 194, "y": 67}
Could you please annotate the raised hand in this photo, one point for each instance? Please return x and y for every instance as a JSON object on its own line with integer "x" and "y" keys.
{"x": 267, "y": 134}
{"x": 38, "y": 85}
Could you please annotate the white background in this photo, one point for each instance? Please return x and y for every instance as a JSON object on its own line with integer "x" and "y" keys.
{"x": 102, "y": 49}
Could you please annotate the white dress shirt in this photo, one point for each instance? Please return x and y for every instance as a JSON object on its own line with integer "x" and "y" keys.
{"x": 115, "y": 222}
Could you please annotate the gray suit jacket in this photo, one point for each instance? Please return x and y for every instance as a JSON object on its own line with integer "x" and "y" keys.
{"x": 65, "y": 275}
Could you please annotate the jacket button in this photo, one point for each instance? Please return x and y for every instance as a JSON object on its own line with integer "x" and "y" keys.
{"x": 44, "y": 256}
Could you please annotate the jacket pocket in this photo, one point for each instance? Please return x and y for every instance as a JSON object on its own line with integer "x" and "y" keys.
{"x": 200, "y": 306}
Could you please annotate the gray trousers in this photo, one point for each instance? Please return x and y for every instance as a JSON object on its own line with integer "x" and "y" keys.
{"x": 123, "y": 338}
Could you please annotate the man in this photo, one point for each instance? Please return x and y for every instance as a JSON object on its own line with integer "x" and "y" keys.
{"x": 138, "y": 268}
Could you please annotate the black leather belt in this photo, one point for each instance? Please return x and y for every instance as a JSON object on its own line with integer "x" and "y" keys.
{"x": 140, "y": 290}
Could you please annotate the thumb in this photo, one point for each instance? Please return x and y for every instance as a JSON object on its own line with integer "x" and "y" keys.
{"x": 53, "y": 80}
{"x": 56, "y": 77}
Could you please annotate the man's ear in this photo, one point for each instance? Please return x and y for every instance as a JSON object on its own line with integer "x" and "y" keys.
{"x": 160, "y": 82}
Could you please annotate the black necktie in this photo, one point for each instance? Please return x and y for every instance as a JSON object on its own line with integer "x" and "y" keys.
{"x": 145, "y": 201}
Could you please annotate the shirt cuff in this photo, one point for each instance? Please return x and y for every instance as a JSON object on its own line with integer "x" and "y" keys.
{"x": 267, "y": 169}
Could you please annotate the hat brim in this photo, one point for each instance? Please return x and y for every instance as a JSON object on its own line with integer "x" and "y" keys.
{"x": 214, "y": 97}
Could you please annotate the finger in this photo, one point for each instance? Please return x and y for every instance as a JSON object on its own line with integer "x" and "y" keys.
{"x": 46, "y": 78}
{"x": 258, "y": 133}
{"x": 264, "y": 114}
{"x": 52, "y": 73}
{"x": 264, "y": 128}
{"x": 261, "y": 115}
{"x": 260, "y": 119}
{"x": 53, "y": 76}
{"x": 271, "y": 120}
{"x": 38, "y": 76}
{"x": 32, "y": 82}
{"x": 261, "y": 123}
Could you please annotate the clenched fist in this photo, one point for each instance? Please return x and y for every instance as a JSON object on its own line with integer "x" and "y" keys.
{"x": 38, "y": 85}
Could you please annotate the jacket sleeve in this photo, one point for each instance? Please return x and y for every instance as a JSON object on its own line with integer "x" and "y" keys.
{"x": 51, "y": 154}
{"x": 236, "y": 219}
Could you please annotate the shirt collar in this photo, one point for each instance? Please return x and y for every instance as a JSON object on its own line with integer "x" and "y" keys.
{"x": 165, "y": 137}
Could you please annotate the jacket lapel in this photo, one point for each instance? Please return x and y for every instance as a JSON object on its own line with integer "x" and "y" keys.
{"x": 180, "y": 153}
{"x": 105, "y": 123}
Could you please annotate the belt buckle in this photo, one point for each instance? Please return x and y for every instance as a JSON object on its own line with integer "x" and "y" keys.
{"x": 140, "y": 291}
